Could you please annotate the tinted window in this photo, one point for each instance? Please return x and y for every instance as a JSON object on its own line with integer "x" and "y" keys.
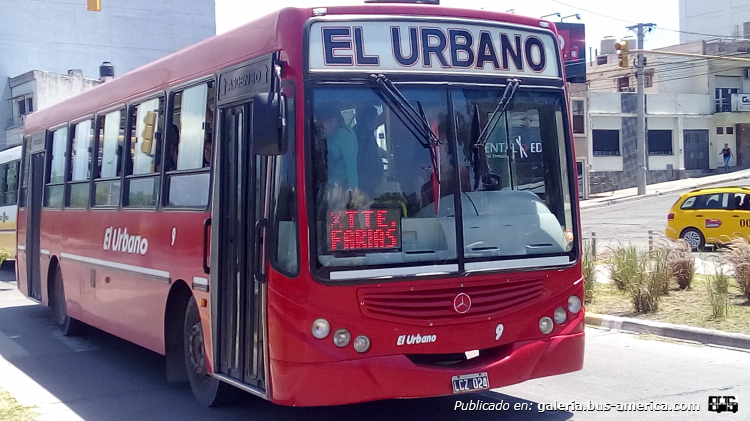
{"x": 606, "y": 142}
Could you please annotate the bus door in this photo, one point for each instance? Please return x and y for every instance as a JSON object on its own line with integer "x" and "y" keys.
{"x": 239, "y": 342}
{"x": 33, "y": 220}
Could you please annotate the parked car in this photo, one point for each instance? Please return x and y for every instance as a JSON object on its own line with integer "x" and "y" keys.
{"x": 710, "y": 216}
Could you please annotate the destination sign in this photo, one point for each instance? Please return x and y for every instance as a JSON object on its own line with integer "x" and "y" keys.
{"x": 376, "y": 229}
{"x": 431, "y": 47}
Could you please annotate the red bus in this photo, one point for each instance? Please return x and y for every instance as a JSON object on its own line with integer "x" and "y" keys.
{"x": 323, "y": 206}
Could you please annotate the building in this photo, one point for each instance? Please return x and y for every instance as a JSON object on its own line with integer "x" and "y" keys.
{"x": 694, "y": 106}
{"x": 55, "y": 36}
{"x": 38, "y": 89}
{"x": 702, "y": 20}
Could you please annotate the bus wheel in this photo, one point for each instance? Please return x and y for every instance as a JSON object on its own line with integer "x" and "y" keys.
{"x": 209, "y": 390}
{"x": 67, "y": 325}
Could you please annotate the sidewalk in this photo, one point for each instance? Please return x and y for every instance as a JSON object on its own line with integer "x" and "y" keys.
{"x": 624, "y": 195}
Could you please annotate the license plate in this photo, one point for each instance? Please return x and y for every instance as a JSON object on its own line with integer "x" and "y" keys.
{"x": 470, "y": 382}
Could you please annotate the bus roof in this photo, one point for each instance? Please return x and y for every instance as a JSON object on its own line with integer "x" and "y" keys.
{"x": 280, "y": 30}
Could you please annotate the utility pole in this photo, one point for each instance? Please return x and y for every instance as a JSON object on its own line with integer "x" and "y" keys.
{"x": 640, "y": 112}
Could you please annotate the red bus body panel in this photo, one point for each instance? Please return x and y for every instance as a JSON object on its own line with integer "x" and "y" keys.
{"x": 303, "y": 370}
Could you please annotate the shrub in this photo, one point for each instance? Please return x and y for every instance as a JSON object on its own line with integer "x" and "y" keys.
{"x": 718, "y": 288}
{"x": 3, "y": 255}
{"x": 647, "y": 285}
{"x": 588, "y": 263}
{"x": 738, "y": 259}
{"x": 622, "y": 263}
{"x": 682, "y": 264}
{"x": 657, "y": 261}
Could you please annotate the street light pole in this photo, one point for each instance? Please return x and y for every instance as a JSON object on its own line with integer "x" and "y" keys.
{"x": 641, "y": 152}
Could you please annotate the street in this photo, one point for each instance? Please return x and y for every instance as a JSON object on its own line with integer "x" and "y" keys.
{"x": 99, "y": 377}
{"x": 621, "y": 223}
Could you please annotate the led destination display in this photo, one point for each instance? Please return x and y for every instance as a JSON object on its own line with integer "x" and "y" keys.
{"x": 375, "y": 229}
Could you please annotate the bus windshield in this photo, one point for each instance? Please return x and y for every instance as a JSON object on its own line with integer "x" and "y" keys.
{"x": 386, "y": 197}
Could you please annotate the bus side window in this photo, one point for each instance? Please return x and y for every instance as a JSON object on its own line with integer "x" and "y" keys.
{"x": 77, "y": 194}
{"x": 142, "y": 176}
{"x": 53, "y": 192}
{"x": 190, "y": 147}
{"x": 108, "y": 166}
{"x": 11, "y": 183}
{"x": 284, "y": 253}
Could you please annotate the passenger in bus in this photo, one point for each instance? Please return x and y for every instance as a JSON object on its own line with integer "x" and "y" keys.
{"x": 174, "y": 147}
{"x": 341, "y": 145}
{"x": 207, "y": 152}
{"x": 369, "y": 155}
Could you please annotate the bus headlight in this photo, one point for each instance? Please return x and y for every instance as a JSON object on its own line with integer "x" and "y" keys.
{"x": 574, "y": 304}
{"x": 546, "y": 325}
{"x": 361, "y": 343}
{"x": 341, "y": 338}
{"x": 321, "y": 328}
{"x": 560, "y": 315}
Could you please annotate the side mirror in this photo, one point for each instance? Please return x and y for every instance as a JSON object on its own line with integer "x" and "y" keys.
{"x": 269, "y": 124}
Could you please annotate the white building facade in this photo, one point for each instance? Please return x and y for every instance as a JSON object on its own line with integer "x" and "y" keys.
{"x": 55, "y": 36}
{"x": 701, "y": 19}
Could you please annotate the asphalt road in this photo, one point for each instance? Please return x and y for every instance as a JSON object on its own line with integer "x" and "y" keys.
{"x": 629, "y": 222}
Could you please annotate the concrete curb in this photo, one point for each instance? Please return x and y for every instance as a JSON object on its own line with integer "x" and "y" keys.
{"x": 686, "y": 333}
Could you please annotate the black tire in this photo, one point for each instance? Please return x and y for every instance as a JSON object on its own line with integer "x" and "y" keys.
{"x": 59, "y": 309}
{"x": 694, "y": 237}
{"x": 209, "y": 390}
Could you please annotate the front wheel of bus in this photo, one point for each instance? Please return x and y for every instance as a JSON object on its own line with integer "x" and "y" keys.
{"x": 209, "y": 390}
{"x": 67, "y": 325}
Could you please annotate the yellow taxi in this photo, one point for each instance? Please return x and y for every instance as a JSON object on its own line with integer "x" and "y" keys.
{"x": 710, "y": 216}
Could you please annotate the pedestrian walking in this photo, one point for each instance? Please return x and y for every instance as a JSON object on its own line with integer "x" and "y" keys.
{"x": 727, "y": 154}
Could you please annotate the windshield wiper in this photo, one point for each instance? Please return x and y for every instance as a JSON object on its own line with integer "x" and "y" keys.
{"x": 416, "y": 122}
{"x": 510, "y": 90}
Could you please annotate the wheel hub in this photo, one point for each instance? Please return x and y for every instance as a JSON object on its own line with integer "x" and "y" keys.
{"x": 195, "y": 349}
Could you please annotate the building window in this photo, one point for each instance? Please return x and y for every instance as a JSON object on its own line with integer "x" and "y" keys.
{"x": 724, "y": 99}
{"x": 25, "y": 104}
{"x": 623, "y": 84}
{"x": 579, "y": 122}
{"x": 606, "y": 142}
{"x": 659, "y": 142}
{"x": 730, "y": 130}
{"x": 719, "y": 130}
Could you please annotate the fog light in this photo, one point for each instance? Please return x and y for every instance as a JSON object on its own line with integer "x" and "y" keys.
{"x": 560, "y": 315}
{"x": 546, "y": 325}
{"x": 361, "y": 343}
{"x": 574, "y": 304}
{"x": 341, "y": 338}
{"x": 321, "y": 328}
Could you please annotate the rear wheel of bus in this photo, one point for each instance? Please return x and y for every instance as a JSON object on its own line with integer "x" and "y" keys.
{"x": 59, "y": 309}
{"x": 209, "y": 390}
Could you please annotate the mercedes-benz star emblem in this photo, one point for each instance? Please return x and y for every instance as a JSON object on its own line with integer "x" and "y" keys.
{"x": 462, "y": 303}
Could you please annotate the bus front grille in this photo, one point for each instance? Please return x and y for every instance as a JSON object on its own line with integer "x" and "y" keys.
{"x": 444, "y": 304}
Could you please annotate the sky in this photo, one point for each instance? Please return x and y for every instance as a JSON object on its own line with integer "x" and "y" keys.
{"x": 601, "y": 17}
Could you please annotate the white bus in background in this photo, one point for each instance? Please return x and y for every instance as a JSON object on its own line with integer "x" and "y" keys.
{"x": 10, "y": 163}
